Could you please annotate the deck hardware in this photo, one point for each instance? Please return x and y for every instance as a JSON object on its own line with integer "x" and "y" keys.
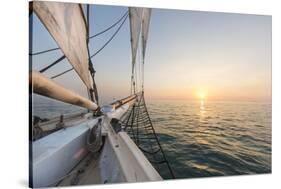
{"x": 94, "y": 137}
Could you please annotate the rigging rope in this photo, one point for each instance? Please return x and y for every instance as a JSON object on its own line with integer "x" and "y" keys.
{"x": 51, "y": 65}
{"x": 45, "y": 51}
{"x": 90, "y": 37}
{"x": 109, "y": 40}
{"x": 110, "y": 27}
{"x": 136, "y": 78}
{"x": 140, "y": 128}
{"x": 55, "y": 76}
{"x": 139, "y": 67}
{"x": 142, "y": 71}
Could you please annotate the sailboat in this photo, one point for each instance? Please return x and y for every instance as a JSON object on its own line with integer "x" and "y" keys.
{"x": 106, "y": 144}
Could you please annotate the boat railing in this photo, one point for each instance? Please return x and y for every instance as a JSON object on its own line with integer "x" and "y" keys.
{"x": 123, "y": 101}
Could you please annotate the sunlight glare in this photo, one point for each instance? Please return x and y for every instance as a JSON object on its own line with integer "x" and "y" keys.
{"x": 202, "y": 95}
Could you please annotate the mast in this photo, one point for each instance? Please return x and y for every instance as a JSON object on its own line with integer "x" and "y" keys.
{"x": 93, "y": 92}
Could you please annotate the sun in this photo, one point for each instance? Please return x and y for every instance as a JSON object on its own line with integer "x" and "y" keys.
{"x": 202, "y": 95}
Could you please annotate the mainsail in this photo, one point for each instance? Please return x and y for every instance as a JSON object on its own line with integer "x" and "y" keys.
{"x": 139, "y": 23}
{"x": 135, "y": 15}
{"x": 145, "y": 27}
{"x": 67, "y": 25}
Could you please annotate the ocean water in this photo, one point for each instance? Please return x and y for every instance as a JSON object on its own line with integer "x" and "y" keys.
{"x": 202, "y": 138}
{"x": 48, "y": 108}
{"x": 213, "y": 138}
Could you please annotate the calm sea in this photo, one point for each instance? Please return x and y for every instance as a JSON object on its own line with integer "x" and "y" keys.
{"x": 203, "y": 138}
{"x": 214, "y": 138}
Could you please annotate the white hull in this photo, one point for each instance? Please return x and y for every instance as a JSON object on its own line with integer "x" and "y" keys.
{"x": 55, "y": 155}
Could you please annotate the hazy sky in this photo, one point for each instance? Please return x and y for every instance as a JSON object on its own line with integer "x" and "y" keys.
{"x": 225, "y": 56}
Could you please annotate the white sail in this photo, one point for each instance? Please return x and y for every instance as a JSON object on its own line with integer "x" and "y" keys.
{"x": 135, "y": 15}
{"x": 145, "y": 27}
{"x": 67, "y": 25}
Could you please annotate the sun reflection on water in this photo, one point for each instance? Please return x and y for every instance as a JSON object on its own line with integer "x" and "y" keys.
{"x": 202, "y": 107}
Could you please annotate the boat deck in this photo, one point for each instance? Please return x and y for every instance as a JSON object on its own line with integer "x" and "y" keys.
{"x": 85, "y": 173}
{"x": 119, "y": 160}
{"x": 95, "y": 168}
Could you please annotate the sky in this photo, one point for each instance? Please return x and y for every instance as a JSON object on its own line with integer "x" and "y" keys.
{"x": 190, "y": 55}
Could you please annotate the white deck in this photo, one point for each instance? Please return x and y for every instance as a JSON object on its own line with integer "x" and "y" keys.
{"x": 57, "y": 154}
